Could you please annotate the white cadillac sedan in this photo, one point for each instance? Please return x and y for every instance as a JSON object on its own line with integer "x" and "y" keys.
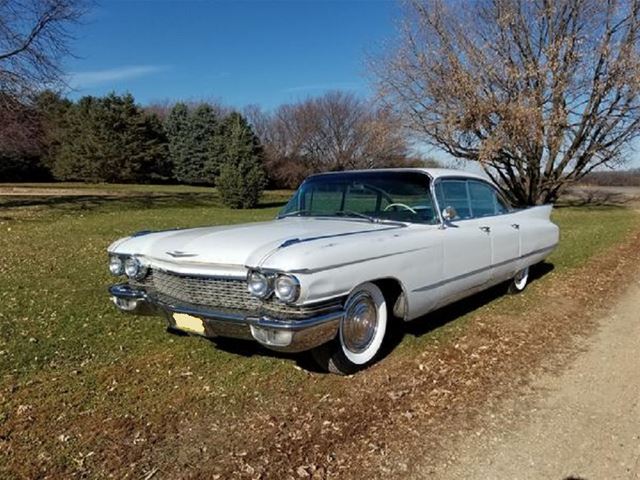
{"x": 350, "y": 253}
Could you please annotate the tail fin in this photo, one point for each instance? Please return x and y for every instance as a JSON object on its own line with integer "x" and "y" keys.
{"x": 540, "y": 211}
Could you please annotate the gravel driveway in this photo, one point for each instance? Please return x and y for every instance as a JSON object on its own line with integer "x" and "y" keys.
{"x": 582, "y": 424}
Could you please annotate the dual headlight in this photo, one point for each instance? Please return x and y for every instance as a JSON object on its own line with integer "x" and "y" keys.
{"x": 285, "y": 287}
{"x": 127, "y": 265}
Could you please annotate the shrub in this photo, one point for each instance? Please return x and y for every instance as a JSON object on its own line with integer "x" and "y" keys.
{"x": 240, "y": 185}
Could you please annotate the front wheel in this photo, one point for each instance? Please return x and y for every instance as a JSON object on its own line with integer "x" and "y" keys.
{"x": 361, "y": 334}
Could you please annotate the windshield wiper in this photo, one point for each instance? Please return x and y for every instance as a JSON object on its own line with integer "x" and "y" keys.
{"x": 352, "y": 213}
{"x": 294, "y": 213}
{"x": 341, "y": 213}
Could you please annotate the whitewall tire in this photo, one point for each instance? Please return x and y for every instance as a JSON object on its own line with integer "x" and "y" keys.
{"x": 519, "y": 282}
{"x": 361, "y": 334}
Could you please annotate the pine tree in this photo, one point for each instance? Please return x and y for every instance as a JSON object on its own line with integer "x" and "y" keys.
{"x": 175, "y": 127}
{"x": 53, "y": 110}
{"x": 235, "y": 152}
{"x": 111, "y": 139}
{"x": 190, "y": 144}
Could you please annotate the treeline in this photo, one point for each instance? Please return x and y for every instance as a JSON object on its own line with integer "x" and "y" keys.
{"x": 610, "y": 178}
{"x": 112, "y": 139}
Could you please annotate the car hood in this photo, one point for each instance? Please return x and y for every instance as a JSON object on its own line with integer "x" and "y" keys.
{"x": 241, "y": 245}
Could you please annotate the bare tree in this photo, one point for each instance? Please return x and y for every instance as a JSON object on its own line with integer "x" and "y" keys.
{"x": 335, "y": 131}
{"x": 20, "y": 129}
{"x": 539, "y": 92}
{"x": 34, "y": 37}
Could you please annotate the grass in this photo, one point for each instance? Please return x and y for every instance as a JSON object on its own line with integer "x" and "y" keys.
{"x": 65, "y": 351}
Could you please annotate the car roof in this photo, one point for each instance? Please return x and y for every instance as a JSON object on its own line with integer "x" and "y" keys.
{"x": 434, "y": 173}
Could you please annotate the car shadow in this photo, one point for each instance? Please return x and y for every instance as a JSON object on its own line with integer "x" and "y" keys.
{"x": 248, "y": 348}
{"x": 417, "y": 328}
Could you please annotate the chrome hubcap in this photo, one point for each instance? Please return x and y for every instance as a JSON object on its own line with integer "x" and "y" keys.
{"x": 360, "y": 323}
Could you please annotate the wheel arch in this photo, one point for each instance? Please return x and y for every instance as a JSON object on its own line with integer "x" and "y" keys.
{"x": 395, "y": 296}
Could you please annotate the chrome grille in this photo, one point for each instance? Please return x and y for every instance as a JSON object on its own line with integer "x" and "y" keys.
{"x": 221, "y": 293}
{"x": 210, "y": 291}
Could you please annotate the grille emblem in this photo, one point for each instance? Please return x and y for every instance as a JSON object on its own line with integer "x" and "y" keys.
{"x": 179, "y": 254}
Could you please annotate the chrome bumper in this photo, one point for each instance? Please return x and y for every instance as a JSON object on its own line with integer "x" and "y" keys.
{"x": 277, "y": 334}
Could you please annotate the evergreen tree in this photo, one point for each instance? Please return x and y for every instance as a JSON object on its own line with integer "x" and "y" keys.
{"x": 111, "y": 139}
{"x": 53, "y": 110}
{"x": 75, "y": 141}
{"x": 235, "y": 154}
{"x": 190, "y": 143}
{"x": 175, "y": 127}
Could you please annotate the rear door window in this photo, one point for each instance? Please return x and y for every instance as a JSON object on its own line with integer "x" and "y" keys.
{"x": 483, "y": 199}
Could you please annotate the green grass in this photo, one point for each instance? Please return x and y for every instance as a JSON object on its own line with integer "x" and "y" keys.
{"x": 54, "y": 309}
{"x": 65, "y": 348}
{"x": 585, "y": 231}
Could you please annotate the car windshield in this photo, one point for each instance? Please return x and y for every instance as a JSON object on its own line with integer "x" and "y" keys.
{"x": 373, "y": 195}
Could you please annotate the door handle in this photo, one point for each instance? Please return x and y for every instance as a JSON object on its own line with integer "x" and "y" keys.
{"x": 516, "y": 226}
{"x": 485, "y": 229}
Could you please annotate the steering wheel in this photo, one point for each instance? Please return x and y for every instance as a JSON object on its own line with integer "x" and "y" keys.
{"x": 400, "y": 205}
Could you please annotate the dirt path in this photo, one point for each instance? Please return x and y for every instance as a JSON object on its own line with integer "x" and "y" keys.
{"x": 582, "y": 424}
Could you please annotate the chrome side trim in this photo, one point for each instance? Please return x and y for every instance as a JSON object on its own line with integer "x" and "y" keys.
{"x": 355, "y": 262}
{"x": 480, "y": 270}
{"x": 296, "y": 241}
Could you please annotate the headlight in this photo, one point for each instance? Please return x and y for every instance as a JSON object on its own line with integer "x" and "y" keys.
{"x": 134, "y": 269}
{"x": 116, "y": 265}
{"x": 287, "y": 288}
{"x": 258, "y": 285}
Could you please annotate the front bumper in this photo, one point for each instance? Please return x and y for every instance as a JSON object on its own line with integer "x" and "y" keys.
{"x": 277, "y": 334}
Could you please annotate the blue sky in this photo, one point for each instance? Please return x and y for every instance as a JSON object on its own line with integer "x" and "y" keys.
{"x": 238, "y": 52}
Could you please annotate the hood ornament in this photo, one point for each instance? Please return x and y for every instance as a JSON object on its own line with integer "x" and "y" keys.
{"x": 179, "y": 254}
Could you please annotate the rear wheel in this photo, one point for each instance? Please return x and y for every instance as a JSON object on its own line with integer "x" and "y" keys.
{"x": 519, "y": 282}
{"x": 361, "y": 334}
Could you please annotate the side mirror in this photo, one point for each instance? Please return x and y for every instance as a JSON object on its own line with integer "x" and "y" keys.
{"x": 449, "y": 213}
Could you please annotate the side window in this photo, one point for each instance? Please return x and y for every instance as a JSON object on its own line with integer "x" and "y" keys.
{"x": 501, "y": 205}
{"x": 485, "y": 200}
{"x": 453, "y": 193}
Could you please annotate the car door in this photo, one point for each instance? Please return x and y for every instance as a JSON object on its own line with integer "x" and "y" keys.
{"x": 466, "y": 243}
{"x": 488, "y": 206}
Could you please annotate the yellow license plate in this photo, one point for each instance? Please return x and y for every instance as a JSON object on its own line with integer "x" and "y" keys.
{"x": 188, "y": 323}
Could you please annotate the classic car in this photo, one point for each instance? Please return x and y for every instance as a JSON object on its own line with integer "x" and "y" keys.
{"x": 349, "y": 254}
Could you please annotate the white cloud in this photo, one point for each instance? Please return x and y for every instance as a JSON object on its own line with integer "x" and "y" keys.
{"x": 101, "y": 77}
